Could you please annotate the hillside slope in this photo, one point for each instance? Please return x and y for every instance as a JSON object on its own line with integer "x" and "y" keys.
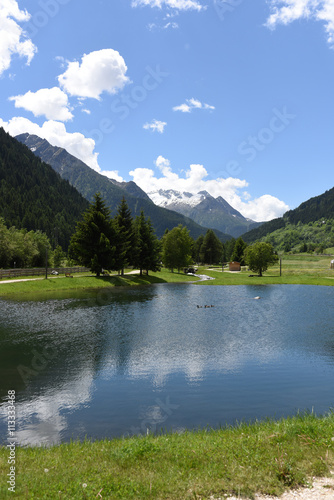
{"x": 33, "y": 196}
{"x": 312, "y": 210}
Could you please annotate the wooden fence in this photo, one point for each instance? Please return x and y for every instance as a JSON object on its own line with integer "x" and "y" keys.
{"x": 40, "y": 271}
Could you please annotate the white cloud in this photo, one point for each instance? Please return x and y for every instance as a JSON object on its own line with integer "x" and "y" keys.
{"x": 287, "y": 11}
{"x": 264, "y": 208}
{"x": 191, "y": 104}
{"x": 173, "y": 4}
{"x": 13, "y": 39}
{"x": 154, "y": 26}
{"x": 112, "y": 174}
{"x": 52, "y": 103}
{"x": 100, "y": 71}
{"x": 55, "y": 132}
{"x": 155, "y": 126}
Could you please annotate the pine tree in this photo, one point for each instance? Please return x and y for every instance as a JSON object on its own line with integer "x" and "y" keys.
{"x": 238, "y": 251}
{"x": 211, "y": 248}
{"x": 147, "y": 246}
{"x": 93, "y": 243}
{"x": 125, "y": 237}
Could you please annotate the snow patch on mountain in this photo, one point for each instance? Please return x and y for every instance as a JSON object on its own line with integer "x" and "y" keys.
{"x": 164, "y": 198}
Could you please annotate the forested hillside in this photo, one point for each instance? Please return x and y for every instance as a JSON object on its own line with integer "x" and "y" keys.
{"x": 315, "y": 210}
{"x": 33, "y": 196}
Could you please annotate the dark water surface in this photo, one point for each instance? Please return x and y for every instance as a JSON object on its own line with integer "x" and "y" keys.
{"x": 130, "y": 361}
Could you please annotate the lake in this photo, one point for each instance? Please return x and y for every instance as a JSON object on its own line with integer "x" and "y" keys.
{"x": 131, "y": 361}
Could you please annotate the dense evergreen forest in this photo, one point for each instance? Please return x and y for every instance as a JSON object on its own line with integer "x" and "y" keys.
{"x": 33, "y": 196}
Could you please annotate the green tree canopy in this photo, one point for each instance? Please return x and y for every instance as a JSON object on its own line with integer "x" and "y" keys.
{"x": 22, "y": 248}
{"x": 211, "y": 249}
{"x": 197, "y": 248}
{"x": 177, "y": 248}
{"x": 259, "y": 256}
{"x": 239, "y": 251}
{"x": 93, "y": 243}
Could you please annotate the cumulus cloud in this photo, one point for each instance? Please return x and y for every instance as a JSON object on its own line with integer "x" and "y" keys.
{"x": 191, "y": 104}
{"x": 264, "y": 208}
{"x": 52, "y": 103}
{"x": 99, "y": 71}
{"x": 287, "y": 11}
{"x": 13, "y": 39}
{"x": 56, "y": 134}
{"x": 172, "y": 4}
{"x": 155, "y": 126}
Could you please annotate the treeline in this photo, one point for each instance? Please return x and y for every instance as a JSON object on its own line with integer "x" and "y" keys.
{"x": 33, "y": 196}
{"x": 103, "y": 243}
{"x": 22, "y": 248}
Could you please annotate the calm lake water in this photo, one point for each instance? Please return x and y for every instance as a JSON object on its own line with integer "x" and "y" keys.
{"x": 131, "y": 361}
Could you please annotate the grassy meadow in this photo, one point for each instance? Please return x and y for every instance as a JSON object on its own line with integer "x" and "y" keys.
{"x": 304, "y": 269}
{"x": 87, "y": 281}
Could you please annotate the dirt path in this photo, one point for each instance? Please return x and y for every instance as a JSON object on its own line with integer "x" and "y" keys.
{"x": 321, "y": 489}
{"x": 16, "y": 281}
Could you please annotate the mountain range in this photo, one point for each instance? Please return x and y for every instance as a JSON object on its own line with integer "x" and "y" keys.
{"x": 205, "y": 210}
{"x": 88, "y": 182}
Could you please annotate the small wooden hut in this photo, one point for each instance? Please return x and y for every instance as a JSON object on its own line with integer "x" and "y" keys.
{"x": 235, "y": 266}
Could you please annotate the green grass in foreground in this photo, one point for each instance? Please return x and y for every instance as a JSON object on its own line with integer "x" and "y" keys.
{"x": 267, "y": 457}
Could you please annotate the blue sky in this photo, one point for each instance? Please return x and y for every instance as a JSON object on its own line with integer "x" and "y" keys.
{"x": 234, "y": 97}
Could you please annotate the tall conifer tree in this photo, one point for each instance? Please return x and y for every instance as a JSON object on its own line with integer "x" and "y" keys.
{"x": 93, "y": 243}
{"x": 125, "y": 237}
{"x": 147, "y": 246}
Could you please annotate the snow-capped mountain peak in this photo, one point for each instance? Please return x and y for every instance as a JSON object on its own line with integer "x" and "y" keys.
{"x": 204, "y": 209}
{"x": 164, "y": 198}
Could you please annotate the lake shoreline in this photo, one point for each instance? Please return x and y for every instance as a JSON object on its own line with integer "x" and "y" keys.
{"x": 216, "y": 278}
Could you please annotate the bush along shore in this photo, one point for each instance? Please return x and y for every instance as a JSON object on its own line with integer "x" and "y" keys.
{"x": 266, "y": 457}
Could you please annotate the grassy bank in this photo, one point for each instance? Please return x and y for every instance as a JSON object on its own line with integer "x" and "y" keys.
{"x": 301, "y": 269}
{"x": 84, "y": 281}
{"x": 267, "y": 457}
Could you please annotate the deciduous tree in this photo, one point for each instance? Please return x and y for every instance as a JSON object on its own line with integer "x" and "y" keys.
{"x": 177, "y": 248}
{"x": 260, "y": 256}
